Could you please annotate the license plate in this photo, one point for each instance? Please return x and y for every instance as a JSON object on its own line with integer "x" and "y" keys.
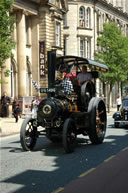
{"x": 47, "y": 90}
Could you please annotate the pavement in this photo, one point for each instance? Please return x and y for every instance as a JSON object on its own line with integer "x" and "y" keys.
{"x": 8, "y": 126}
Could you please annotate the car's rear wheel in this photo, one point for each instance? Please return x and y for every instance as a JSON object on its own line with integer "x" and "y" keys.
{"x": 98, "y": 120}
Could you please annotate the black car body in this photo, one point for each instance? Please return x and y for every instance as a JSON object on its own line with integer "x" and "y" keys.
{"x": 67, "y": 111}
{"x": 121, "y": 117}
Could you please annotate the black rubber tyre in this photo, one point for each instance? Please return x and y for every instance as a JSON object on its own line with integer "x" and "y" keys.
{"x": 69, "y": 135}
{"x": 116, "y": 124}
{"x": 87, "y": 92}
{"x": 28, "y": 134}
{"x": 98, "y": 120}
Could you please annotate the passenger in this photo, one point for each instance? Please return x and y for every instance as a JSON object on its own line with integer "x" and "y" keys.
{"x": 84, "y": 75}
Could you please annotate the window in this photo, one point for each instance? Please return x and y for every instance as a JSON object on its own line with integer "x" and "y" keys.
{"x": 88, "y": 48}
{"x": 98, "y": 23}
{"x": 82, "y": 48}
{"x": 82, "y": 17}
{"x": 88, "y": 17}
{"x": 52, "y": 1}
{"x": 57, "y": 34}
{"x": 65, "y": 20}
{"x": 65, "y": 45}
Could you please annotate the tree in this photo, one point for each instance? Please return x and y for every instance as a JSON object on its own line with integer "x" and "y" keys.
{"x": 6, "y": 29}
{"x": 113, "y": 48}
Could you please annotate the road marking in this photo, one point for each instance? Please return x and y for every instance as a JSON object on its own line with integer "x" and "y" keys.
{"x": 87, "y": 172}
{"x": 111, "y": 157}
{"x": 126, "y": 148}
{"x": 58, "y": 190}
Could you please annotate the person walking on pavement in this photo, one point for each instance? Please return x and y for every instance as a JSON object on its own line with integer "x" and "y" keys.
{"x": 15, "y": 108}
{"x": 5, "y": 100}
{"x": 118, "y": 102}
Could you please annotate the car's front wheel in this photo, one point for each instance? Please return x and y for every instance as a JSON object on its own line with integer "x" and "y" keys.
{"x": 28, "y": 134}
{"x": 69, "y": 135}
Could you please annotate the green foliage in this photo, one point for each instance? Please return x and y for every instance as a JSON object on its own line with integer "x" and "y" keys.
{"x": 113, "y": 51}
{"x": 6, "y": 29}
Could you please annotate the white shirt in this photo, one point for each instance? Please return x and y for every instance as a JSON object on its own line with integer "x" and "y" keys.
{"x": 84, "y": 77}
{"x": 118, "y": 101}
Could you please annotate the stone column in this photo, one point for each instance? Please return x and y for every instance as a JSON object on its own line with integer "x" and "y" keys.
{"x": 21, "y": 54}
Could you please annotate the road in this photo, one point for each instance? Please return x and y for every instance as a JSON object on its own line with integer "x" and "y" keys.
{"x": 48, "y": 169}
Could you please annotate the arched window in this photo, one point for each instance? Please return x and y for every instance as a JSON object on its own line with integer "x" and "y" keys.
{"x": 82, "y": 17}
{"x": 88, "y": 11}
{"x": 12, "y": 82}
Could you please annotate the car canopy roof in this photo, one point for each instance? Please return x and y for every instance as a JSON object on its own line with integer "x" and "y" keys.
{"x": 65, "y": 63}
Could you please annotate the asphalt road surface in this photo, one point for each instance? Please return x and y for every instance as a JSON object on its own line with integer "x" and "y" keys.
{"x": 91, "y": 168}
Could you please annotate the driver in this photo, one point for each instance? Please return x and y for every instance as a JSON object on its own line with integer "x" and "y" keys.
{"x": 84, "y": 75}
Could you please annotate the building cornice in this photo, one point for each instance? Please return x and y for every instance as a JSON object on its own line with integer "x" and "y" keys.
{"x": 26, "y": 7}
{"x": 108, "y": 7}
{"x": 51, "y": 3}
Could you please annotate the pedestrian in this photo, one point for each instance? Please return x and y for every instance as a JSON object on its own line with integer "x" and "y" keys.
{"x": 16, "y": 108}
{"x": 118, "y": 102}
{"x": 34, "y": 106}
{"x": 5, "y": 101}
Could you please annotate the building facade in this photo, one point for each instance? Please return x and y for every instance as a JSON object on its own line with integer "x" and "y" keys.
{"x": 38, "y": 28}
{"x": 85, "y": 20}
{"x": 70, "y": 27}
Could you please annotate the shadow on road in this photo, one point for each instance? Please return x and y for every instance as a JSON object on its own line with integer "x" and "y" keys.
{"x": 66, "y": 167}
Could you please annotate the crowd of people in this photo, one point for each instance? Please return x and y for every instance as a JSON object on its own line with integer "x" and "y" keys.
{"x": 16, "y": 109}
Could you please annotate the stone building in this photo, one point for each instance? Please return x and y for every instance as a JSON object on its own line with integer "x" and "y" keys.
{"x": 83, "y": 22}
{"x": 68, "y": 26}
{"x": 38, "y": 28}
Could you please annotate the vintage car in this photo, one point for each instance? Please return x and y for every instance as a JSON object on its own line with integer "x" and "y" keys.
{"x": 69, "y": 109}
{"x": 121, "y": 117}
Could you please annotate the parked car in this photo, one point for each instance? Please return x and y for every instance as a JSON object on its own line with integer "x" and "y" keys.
{"x": 69, "y": 109}
{"x": 121, "y": 117}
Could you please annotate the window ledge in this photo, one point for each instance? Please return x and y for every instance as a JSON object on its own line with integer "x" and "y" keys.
{"x": 28, "y": 45}
{"x": 57, "y": 47}
{"x": 84, "y": 28}
{"x": 66, "y": 27}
